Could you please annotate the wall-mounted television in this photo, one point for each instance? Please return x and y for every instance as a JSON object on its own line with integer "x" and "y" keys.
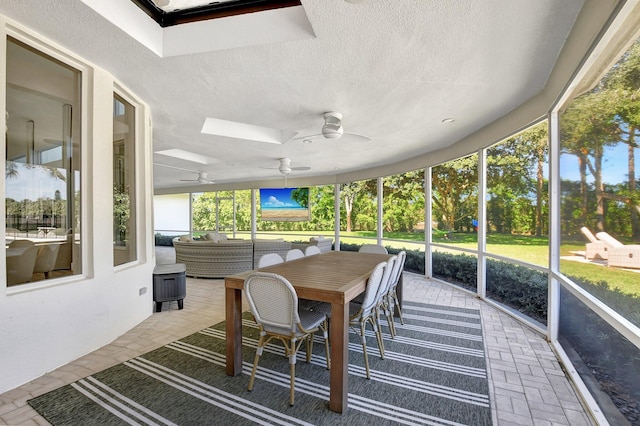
{"x": 284, "y": 204}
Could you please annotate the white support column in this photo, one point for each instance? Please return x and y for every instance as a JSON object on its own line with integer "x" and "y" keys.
{"x": 191, "y": 214}
{"x": 481, "y": 279}
{"x": 553, "y": 298}
{"x": 254, "y": 220}
{"x": 428, "y": 220}
{"x": 336, "y": 211}
{"x": 380, "y": 183}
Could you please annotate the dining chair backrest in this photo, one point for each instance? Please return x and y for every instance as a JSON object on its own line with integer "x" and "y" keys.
{"x": 399, "y": 267}
{"x": 373, "y": 285}
{"x": 312, "y": 250}
{"x": 294, "y": 254}
{"x": 372, "y": 248}
{"x": 20, "y": 266}
{"x": 385, "y": 282}
{"x": 273, "y": 302}
{"x": 269, "y": 259}
{"x": 46, "y": 259}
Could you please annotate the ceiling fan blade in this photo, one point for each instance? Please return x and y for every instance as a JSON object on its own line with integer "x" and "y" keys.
{"x": 303, "y": 137}
{"x": 349, "y": 137}
{"x": 176, "y": 168}
{"x": 355, "y": 137}
{"x": 237, "y": 130}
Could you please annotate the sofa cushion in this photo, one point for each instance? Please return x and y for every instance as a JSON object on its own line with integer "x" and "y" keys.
{"x": 215, "y": 236}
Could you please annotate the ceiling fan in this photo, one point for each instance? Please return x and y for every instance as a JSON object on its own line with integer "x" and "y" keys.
{"x": 203, "y": 177}
{"x": 285, "y": 168}
{"x": 332, "y": 129}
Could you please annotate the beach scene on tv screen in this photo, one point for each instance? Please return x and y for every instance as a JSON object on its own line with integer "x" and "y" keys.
{"x": 284, "y": 204}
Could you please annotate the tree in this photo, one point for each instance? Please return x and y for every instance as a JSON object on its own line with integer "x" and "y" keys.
{"x": 455, "y": 190}
{"x": 350, "y": 192}
{"x": 588, "y": 125}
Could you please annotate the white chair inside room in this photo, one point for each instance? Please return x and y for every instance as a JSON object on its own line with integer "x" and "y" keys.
{"x": 46, "y": 259}
{"x": 362, "y": 313}
{"x": 274, "y": 305}
{"x": 21, "y": 260}
{"x": 372, "y": 248}
{"x": 21, "y": 243}
{"x": 269, "y": 259}
{"x": 312, "y": 250}
{"x": 294, "y": 254}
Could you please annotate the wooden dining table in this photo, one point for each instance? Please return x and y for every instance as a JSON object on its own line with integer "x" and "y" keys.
{"x": 335, "y": 277}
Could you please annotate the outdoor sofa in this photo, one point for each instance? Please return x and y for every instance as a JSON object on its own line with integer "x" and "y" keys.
{"x": 219, "y": 257}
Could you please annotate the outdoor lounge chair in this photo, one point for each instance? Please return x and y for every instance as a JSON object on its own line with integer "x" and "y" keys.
{"x": 596, "y": 249}
{"x": 620, "y": 255}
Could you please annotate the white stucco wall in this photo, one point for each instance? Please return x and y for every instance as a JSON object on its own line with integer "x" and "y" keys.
{"x": 49, "y": 323}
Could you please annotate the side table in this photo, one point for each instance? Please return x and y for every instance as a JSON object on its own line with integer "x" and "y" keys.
{"x": 169, "y": 283}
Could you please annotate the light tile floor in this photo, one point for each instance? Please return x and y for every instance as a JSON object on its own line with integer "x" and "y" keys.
{"x": 527, "y": 384}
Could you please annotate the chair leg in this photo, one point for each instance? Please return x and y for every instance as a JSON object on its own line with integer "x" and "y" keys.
{"x": 388, "y": 312}
{"x": 378, "y": 332}
{"x": 364, "y": 348}
{"x": 325, "y": 332}
{"x": 397, "y": 304}
{"x": 256, "y": 359}
{"x": 292, "y": 370}
{"x": 309, "y": 346}
{"x": 377, "y": 329}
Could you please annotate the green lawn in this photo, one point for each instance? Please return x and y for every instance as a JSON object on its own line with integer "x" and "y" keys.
{"x": 534, "y": 250}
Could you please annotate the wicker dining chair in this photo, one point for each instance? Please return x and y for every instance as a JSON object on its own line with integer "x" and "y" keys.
{"x": 372, "y": 248}
{"x": 360, "y": 314}
{"x": 274, "y": 305}
{"x": 294, "y": 254}
{"x": 269, "y": 259}
{"x": 392, "y": 301}
{"x": 312, "y": 250}
{"x": 381, "y": 303}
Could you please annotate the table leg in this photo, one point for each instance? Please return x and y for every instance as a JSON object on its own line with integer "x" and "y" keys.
{"x": 339, "y": 339}
{"x": 233, "y": 325}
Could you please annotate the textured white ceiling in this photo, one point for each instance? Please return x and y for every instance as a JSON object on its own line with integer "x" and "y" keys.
{"x": 394, "y": 68}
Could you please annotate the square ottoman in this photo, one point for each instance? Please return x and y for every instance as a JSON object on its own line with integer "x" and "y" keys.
{"x": 169, "y": 283}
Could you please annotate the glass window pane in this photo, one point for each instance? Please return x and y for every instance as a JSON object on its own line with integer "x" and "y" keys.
{"x": 600, "y": 224}
{"x": 605, "y": 359}
{"x": 358, "y": 212}
{"x": 455, "y": 202}
{"x": 600, "y": 238}
{"x": 403, "y": 210}
{"x": 124, "y": 184}
{"x": 42, "y": 172}
{"x": 518, "y": 197}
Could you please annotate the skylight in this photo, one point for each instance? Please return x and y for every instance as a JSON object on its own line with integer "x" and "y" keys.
{"x": 173, "y": 12}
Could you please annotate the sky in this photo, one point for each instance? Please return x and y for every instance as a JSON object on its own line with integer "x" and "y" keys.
{"x": 277, "y": 198}
{"x": 614, "y": 165}
{"x": 33, "y": 183}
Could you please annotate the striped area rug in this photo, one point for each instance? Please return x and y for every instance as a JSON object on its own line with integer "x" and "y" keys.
{"x": 434, "y": 373}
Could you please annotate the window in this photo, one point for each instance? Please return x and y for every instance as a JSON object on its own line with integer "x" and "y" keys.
{"x": 454, "y": 194}
{"x": 42, "y": 170}
{"x": 124, "y": 211}
{"x": 518, "y": 198}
